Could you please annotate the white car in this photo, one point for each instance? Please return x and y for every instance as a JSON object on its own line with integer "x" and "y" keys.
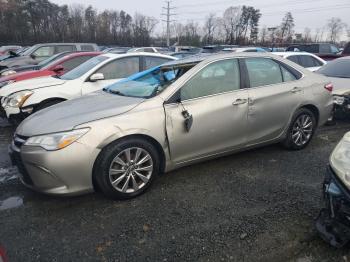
{"x": 309, "y": 61}
{"x": 20, "y": 99}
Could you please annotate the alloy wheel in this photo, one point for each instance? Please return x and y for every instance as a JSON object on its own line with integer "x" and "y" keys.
{"x": 131, "y": 170}
{"x": 302, "y": 130}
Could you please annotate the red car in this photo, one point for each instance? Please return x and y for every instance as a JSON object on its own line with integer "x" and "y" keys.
{"x": 56, "y": 68}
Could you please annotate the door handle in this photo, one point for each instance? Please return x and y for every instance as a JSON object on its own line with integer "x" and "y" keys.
{"x": 239, "y": 102}
{"x": 295, "y": 90}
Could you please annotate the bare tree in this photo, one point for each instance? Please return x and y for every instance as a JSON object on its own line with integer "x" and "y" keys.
{"x": 307, "y": 35}
{"x": 210, "y": 26}
{"x": 231, "y": 19}
{"x": 263, "y": 35}
{"x": 286, "y": 28}
{"x": 335, "y": 27}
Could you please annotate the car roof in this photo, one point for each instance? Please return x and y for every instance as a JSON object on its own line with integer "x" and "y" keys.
{"x": 292, "y": 53}
{"x": 76, "y": 54}
{"x": 212, "y": 57}
{"x": 112, "y": 55}
{"x": 45, "y": 44}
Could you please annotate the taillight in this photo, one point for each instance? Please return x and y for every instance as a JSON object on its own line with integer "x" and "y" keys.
{"x": 329, "y": 87}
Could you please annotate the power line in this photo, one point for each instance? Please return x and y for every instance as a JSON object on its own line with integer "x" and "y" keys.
{"x": 168, "y": 16}
{"x": 299, "y": 11}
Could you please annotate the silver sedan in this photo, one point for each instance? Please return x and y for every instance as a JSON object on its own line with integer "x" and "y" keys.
{"x": 120, "y": 139}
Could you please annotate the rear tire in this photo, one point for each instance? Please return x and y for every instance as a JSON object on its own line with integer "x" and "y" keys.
{"x": 126, "y": 169}
{"x": 301, "y": 130}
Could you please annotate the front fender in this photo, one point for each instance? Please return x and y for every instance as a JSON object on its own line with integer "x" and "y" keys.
{"x": 49, "y": 93}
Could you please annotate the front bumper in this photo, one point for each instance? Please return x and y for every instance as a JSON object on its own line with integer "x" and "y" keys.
{"x": 333, "y": 222}
{"x": 14, "y": 114}
{"x": 63, "y": 172}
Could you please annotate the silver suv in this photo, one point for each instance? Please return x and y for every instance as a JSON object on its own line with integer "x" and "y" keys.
{"x": 120, "y": 139}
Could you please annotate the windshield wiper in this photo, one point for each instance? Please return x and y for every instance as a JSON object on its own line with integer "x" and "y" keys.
{"x": 115, "y": 92}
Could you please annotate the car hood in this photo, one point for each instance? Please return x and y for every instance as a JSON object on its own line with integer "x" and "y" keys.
{"x": 67, "y": 115}
{"x": 25, "y": 74}
{"x": 30, "y": 84}
{"x": 18, "y": 61}
{"x": 341, "y": 85}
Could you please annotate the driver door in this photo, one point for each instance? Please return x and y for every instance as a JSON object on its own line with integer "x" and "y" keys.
{"x": 219, "y": 111}
{"x": 113, "y": 71}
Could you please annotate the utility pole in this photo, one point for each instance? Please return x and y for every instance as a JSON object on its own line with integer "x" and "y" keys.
{"x": 168, "y": 20}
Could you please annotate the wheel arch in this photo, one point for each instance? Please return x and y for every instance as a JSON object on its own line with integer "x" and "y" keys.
{"x": 313, "y": 109}
{"x": 148, "y": 138}
{"x": 48, "y": 100}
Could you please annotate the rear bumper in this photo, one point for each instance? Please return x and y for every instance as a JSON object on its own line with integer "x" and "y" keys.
{"x": 333, "y": 222}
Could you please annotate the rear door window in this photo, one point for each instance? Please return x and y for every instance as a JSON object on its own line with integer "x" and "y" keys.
{"x": 309, "y": 61}
{"x": 263, "y": 71}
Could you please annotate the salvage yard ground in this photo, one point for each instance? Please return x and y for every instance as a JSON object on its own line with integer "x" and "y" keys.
{"x": 253, "y": 206}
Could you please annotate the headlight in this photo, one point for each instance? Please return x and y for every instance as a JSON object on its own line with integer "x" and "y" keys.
{"x": 338, "y": 100}
{"x": 56, "y": 141}
{"x": 5, "y": 83}
{"x": 18, "y": 99}
{"x": 8, "y": 72}
{"x": 340, "y": 160}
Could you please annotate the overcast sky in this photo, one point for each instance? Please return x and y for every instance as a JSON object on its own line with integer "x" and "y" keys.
{"x": 307, "y": 13}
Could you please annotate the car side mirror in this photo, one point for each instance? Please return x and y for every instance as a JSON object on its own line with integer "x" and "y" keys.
{"x": 97, "y": 77}
{"x": 58, "y": 68}
{"x": 32, "y": 56}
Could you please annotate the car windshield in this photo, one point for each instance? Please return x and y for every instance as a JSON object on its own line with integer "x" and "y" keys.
{"x": 29, "y": 51}
{"x": 83, "y": 68}
{"x": 47, "y": 62}
{"x": 337, "y": 68}
{"x": 148, "y": 83}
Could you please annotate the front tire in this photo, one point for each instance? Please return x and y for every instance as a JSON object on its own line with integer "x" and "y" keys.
{"x": 127, "y": 168}
{"x": 301, "y": 130}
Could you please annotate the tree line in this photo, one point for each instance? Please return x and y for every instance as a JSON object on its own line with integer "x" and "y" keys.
{"x": 27, "y": 22}
{"x": 34, "y": 21}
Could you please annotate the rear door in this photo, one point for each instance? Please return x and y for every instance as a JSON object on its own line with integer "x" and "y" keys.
{"x": 113, "y": 71}
{"x": 274, "y": 95}
{"x": 219, "y": 111}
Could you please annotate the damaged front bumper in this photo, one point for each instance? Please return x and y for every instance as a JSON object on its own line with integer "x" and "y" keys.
{"x": 333, "y": 222}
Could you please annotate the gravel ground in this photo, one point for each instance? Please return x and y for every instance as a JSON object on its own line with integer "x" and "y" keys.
{"x": 258, "y": 205}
